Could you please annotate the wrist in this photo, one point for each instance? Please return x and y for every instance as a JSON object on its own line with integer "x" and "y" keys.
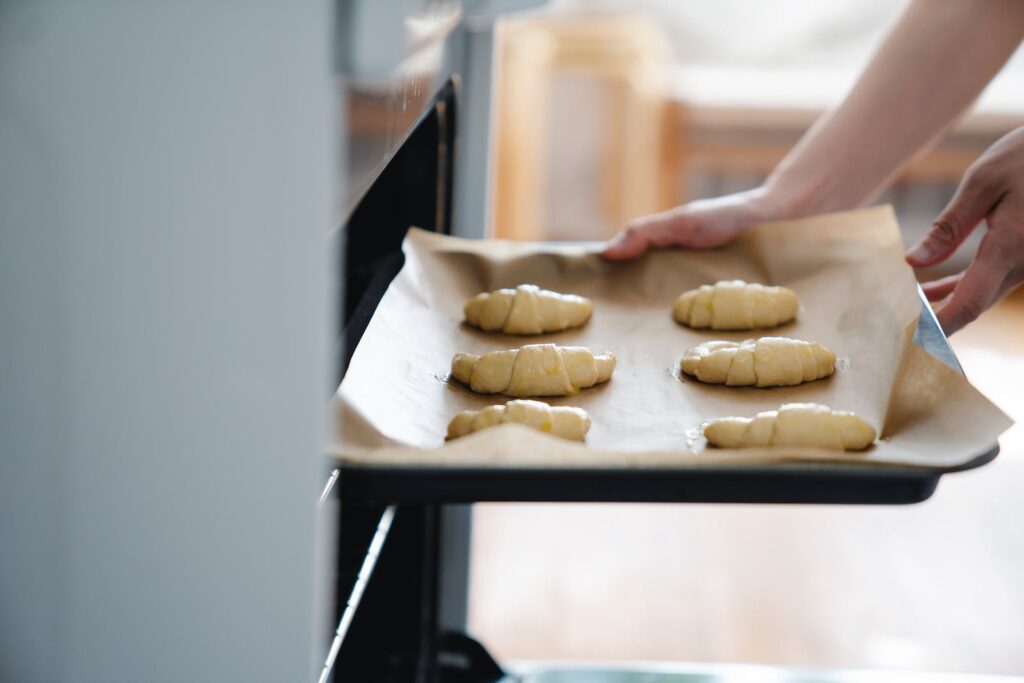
{"x": 782, "y": 198}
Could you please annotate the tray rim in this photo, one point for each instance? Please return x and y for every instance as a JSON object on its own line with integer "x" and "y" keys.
{"x": 928, "y": 334}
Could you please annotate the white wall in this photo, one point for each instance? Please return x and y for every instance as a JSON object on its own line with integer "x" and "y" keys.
{"x": 165, "y": 173}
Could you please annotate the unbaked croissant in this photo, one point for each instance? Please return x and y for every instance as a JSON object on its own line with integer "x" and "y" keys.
{"x": 527, "y": 309}
{"x": 564, "y": 421}
{"x": 794, "y": 424}
{"x": 533, "y": 370}
{"x": 735, "y": 305}
{"x": 766, "y": 362}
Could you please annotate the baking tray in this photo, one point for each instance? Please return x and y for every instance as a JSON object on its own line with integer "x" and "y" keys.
{"x": 790, "y": 482}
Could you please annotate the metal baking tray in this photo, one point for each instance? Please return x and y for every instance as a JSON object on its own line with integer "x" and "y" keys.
{"x": 831, "y": 483}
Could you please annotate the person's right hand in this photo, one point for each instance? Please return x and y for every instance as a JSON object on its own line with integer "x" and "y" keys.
{"x": 697, "y": 225}
{"x": 992, "y": 190}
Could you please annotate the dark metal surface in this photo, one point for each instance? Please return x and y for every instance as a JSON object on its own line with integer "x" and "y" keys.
{"x": 392, "y": 637}
{"x": 414, "y": 189}
{"x": 461, "y": 659}
{"x": 784, "y": 483}
{"x": 819, "y": 483}
{"x": 402, "y": 174}
{"x": 358, "y": 589}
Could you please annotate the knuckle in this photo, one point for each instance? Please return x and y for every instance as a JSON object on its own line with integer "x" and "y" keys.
{"x": 970, "y": 310}
{"x": 662, "y": 239}
{"x": 1006, "y": 255}
{"x": 979, "y": 174}
{"x": 1002, "y": 248}
{"x": 1014, "y": 233}
{"x": 946, "y": 230}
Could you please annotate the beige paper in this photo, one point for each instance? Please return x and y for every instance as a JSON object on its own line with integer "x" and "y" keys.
{"x": 857, "y": 295}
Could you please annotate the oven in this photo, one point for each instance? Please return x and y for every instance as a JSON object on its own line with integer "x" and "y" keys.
{"x": 389, "y": 627}
{"x": 416, "y": 130}
{"x": 414, "y": 84}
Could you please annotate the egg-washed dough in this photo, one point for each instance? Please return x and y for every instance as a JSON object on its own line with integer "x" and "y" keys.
{"x": 527, "y": 309}
{"x": 794, "y": 424}
{"x": 533, "y": 370}
{"x": 766, "y": 362}
{"x": 563, "y": 421}
{"x": 735, "y": 305}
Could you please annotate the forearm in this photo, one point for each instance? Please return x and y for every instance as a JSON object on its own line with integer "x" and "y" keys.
{"x": 931, "y": 67}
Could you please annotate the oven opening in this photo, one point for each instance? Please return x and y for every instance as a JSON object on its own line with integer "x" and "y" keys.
{"x": 387, "y": 612}
{"x": 415, "y": 188}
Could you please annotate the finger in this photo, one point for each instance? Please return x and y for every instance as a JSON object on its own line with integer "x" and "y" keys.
{"x": 972, "y": 297}
{"x": 639, "y": 237}
{"x": 939, "y": 289}
{"x": 972, "y": 201}
{"x": 979, "y": 287}
{"x": 628, "y": 244}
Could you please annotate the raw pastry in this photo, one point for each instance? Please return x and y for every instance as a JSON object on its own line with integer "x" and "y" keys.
{"x": 564, "y": 421}
{"x": 735, "y": 305}
{"x": 527, "y": 309}
{"x": 533, "y": 370}
{"x": 767, "y": 362}
{"x": 794, "y": 424}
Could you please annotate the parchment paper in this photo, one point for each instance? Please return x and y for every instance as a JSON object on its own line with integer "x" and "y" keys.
{"x": 857, "y": 296}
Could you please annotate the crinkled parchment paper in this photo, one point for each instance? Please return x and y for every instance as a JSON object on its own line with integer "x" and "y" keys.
{"x": 857, "y": 296}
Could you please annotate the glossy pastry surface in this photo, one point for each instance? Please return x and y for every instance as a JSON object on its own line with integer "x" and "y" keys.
{"x": 533, "y": 370}
{"x": 735, "y": 305}
{"x": 566, "y": 422}
{"x": 764, "y": 362}
{"x": 793, "y": 424}
{"x": 527, "y": 309}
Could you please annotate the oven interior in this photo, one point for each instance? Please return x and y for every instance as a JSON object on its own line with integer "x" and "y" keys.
{"x": 393, "y": 622}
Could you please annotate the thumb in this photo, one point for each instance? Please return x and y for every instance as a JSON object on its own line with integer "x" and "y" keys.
{"x": 641, "y": 235}
{"x": 961, "y": 216}
{"x": 628, "y": 244}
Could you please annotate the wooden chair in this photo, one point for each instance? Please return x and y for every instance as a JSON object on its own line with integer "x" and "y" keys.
{"x": 626, "y": 58}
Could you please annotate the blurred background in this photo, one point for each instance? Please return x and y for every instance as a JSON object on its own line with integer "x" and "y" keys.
{"x": 606, "y": 110}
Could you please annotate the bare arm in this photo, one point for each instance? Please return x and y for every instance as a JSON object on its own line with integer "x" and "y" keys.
{"x": 933, "y": 64}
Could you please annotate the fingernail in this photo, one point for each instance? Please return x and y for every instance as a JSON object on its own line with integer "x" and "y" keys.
{"x": 922, "y": 251}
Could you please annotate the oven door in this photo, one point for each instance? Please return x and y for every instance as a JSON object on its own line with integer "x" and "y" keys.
{"x": 400, "y": 97}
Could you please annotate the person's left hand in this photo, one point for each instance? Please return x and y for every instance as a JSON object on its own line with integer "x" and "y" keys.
{"x": 992, "y": 190}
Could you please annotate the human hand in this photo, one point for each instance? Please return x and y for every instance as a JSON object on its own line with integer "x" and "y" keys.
{"x": 700, "y": 224}
{"x": 991, "y": 190}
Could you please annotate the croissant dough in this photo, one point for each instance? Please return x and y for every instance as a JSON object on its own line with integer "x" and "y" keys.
{"x": 766, "y": 362}
{"x": 735, "y": 305}
{"x": 533, "y": 370}
{"x": 527, "y": 309}
{"x": 794, "y": 424}
{"x": 562, "y": 421}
